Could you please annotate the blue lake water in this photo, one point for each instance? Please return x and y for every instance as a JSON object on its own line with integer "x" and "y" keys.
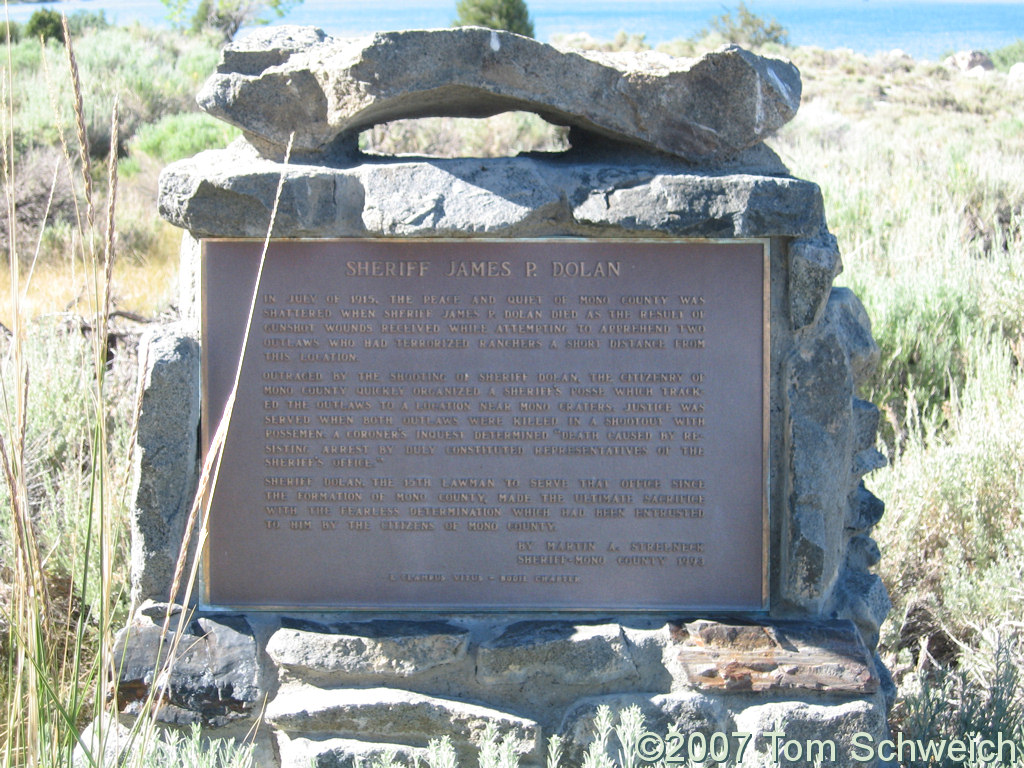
{"x": 922, "y": 29}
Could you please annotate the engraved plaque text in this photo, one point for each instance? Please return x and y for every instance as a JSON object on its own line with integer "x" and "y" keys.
{"x": 489, "y": 425}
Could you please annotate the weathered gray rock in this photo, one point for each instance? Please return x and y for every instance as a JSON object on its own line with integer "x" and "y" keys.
{"x": 819, "y": 419}
{"x": 684, "y": 205}
{"x": 711, "y": 673}
{"x": 813, "y": 264}
{"x": 846, "y": 315}
{"x": 348, "y": 690}
{"x": 831, "y": 445}
{"x": 865, "y": 511}
{"x": 231, "y": 192}
{"x": 822, "y": 734}
{"x": 538, "y": 653}
{"x": 302, "y": 752}
{"x": 862, "y": 598}
{"x": 164, "y": 463}
{"x": 383, "y": 648}
{"x": 867, "y": 461}
{"x": 268, "y": 47}
{"x": 965, "y": 61}
{"x": 687, "y": 711}
{"x": 189, "y": 296}
{"x": 215, "y": 678}
{"x": 1015, "y": 77}
{"x": 105, "y": 741}
{"x": 862, "y": 553}
{"x": 322, "y": 89}
{"x": 396, "y": 717}
{"x": 865, "y": 424}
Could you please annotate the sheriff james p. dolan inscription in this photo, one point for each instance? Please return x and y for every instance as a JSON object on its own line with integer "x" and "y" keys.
{"x": 474, "y": 425}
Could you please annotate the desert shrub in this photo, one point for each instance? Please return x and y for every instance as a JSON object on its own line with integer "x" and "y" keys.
{"x": 182, "y": 135}
{"x": 927, "y": 206}
{"x": 681, "y": 47}
{"x": 951, "y": 536}
{"x": 64, "y": 427}
{"x": 225, "y": 17}
{"x": 59, "y": 444}
{"x": 980, "y": 698}
{"x": 26, "y": 55}
{"x": 43, "y": 195}
{"x": 744, "y": 27}
{"x": 46, "y": 23}
{"x": 152, "y": 73}
{"x": 498, "y": 136}
{"x": 189, "y": 748}
{"x": 923, "y": 180}
{"x": 623, "y": 41}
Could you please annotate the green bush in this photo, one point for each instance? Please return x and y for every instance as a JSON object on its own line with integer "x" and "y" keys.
{"x": 45, "y": 23}
{"x": 81, "y": 21}
{"x": 12, "y": 32}
{"x": 1008, "y": 55}
{"x": 511, "y": 15}
{"x": 183, "y": 135}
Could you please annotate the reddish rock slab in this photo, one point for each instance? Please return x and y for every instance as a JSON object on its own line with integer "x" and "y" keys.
{"x": 779, "y": 656}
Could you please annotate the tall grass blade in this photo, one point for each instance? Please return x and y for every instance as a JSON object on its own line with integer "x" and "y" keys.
{"x": 200, "y": 511}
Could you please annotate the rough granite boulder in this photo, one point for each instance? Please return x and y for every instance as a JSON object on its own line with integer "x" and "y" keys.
{"x": 215, "y": 678}
{"x": 557, "y": 653}
{"x": 166, "y": 441}
{"x": 382, "y": 648}
{"x": 796, "y": 733}
{"x": 399, "y": 717}
{"x": 326, "y": 90}
{"x": 965, "y": 61}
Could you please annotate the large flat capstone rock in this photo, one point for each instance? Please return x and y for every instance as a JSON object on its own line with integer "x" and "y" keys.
{"x": 299, "y": 80}
{"x": 231, "y": 193}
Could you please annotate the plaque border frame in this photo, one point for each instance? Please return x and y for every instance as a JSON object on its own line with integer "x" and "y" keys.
{"x": 203, "y": 580}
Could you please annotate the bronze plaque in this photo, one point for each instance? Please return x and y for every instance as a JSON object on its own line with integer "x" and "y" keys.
{"x": 538, "y": 425}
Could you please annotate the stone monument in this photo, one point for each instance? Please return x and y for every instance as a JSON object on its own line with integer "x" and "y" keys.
{"x": 513, "y": 438}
